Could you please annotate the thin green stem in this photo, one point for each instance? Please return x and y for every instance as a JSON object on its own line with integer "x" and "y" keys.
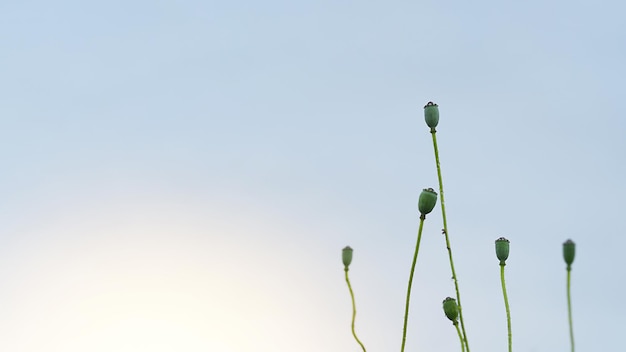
{"x": 506, "y": 305}
{"x": 445, "y": 232}
{"x": 408, "y": 291}
{"x": 569, "y": 307}
{"x": 353, "y": 310}
{"x": 458, "y": 331}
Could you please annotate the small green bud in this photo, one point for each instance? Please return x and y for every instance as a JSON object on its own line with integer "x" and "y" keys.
{"x": 427, "y": 201}
{"x": 346, "y": 256}
{"x": 451, "y": 309}
{"x": 431, "y": 115}
{"x": 502, "y": 249}
{"x": 569, "y": 251}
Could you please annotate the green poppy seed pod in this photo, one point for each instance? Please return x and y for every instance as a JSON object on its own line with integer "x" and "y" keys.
{"x": 502, "y": 249}
{"x": 431, "y": 115}
{"x": 427, "y": 201}
{"x": 346, "y": 256}
{"x": 569, "y": 251}
{"x": 451, "y": 309}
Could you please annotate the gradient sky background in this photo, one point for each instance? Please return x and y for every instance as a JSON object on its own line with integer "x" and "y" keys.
{"x": 182, "y": 176}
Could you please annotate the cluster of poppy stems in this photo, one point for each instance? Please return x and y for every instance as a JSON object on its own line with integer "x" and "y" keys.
{"x": 452, "y": 306}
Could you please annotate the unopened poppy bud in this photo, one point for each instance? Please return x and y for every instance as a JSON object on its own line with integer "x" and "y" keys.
{"x": 346, "y": 257}
{"x": 427, "y": 201}
{"x": 451, "y": 309}
{"x": 502, "y": 249}
{"x": 431, "y": 115}
{"x": 569, "y": 251}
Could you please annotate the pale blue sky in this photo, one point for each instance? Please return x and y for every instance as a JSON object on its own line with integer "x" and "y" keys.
{"x": 182, "y": 176}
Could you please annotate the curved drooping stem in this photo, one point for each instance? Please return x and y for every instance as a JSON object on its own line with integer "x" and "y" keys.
{"x": 353, "y": 311}
{"x": 408, "y": 291}
{"x": 506, "y": 305}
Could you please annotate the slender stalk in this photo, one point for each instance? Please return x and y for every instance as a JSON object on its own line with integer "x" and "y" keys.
{"x": 353, "y": 310}
{"x": 506, "y": 305}
{"x": 569, "y": 307}
{"x": 408, "y": 291}
{"x": 445, "y": 232}
{"x": 458, "y": 331}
